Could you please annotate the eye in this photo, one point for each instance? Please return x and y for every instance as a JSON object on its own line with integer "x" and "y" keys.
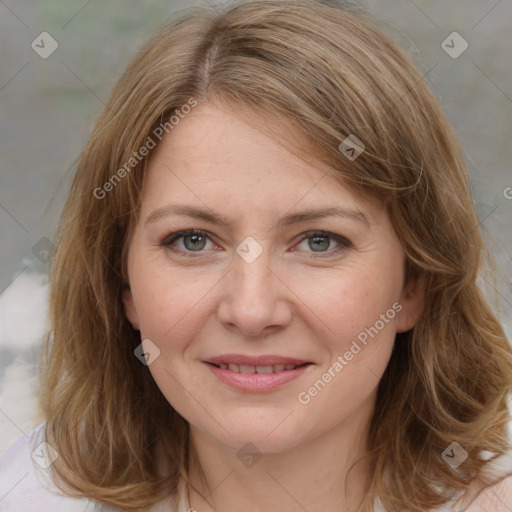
{"x": 320, "y": 241}
{"x": 193, "y": 241}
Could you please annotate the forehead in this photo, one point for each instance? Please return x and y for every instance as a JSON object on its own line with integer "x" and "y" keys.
{"x": 217, "y": 156}
{"x": 219, "y": 134}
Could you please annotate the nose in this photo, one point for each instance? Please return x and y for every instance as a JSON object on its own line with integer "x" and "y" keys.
{"x": 255, "y": 301}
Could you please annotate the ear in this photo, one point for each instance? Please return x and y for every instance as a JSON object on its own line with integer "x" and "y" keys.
{"x": 412, "y": 300}
{"x": 129, "y": 309}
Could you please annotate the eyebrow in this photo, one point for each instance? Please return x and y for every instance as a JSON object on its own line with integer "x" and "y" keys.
{"x": 287, "y": 220}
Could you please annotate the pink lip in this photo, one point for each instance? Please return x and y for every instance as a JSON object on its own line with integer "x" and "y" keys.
{"x": 268, "y": 360}
{"x": 257, "y": 382}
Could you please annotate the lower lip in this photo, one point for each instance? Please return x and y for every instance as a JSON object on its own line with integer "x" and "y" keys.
{"x": 257, "y": 382}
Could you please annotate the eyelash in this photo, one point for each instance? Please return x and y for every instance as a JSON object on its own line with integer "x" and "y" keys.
{"x": 173, "y": 237}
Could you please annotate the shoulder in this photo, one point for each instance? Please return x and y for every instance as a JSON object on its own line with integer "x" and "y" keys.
{"x": 25, "y": 484}
{"x": 493, "y": 497}
{"x": 496, "y": 493}
{"x": 497, "y": 497}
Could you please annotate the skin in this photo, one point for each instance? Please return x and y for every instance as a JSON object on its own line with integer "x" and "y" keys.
{"x": 296, "y": 299}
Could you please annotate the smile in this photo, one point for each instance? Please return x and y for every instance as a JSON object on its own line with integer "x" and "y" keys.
{"x": 256, "y": 374}
{"x": 243, "y": 368}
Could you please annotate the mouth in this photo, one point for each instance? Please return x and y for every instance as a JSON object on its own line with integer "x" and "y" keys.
{"x": 245, "y": 368}
{"x": 256, "y": 374}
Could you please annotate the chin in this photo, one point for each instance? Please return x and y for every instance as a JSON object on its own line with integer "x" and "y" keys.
{"x": 269, "y": 436}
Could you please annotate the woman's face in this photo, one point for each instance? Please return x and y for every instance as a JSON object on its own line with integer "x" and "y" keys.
{"x": 292, "y": 288}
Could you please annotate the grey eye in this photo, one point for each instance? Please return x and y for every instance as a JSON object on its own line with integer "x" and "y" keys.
{"x": 319, "y": 242}
{"x": 196, "y": 242}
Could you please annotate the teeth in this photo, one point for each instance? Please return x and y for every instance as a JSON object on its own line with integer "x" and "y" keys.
{"x": 266, "y": 369}
{"x": 245, "y": 368}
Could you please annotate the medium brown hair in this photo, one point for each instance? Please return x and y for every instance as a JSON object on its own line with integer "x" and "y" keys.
{"x": 327, "y": 69}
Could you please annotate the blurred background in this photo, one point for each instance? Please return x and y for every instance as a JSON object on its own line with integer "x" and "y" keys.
{"x": 60, "y": 59}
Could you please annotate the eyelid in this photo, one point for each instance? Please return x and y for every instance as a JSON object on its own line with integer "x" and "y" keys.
{"x": 168, "y": 240}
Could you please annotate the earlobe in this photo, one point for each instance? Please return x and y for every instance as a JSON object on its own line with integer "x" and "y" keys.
{"x": 129, "y": 309}
{"x": 412, "y": 300}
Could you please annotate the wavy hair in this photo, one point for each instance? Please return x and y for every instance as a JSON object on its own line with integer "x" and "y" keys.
{"x": 330, "y": 71}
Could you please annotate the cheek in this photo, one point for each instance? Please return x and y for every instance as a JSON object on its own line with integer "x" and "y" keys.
{"x": 171, "y": 314}
{"x": 352, "y": 302}
{"x": 360, "y": 312}
{"x": 168, "y": 306}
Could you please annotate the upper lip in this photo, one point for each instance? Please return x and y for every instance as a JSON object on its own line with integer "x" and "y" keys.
{"x": 266, "y": 360}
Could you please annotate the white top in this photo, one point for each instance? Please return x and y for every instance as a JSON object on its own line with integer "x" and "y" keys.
{"x": 25, "y": 485}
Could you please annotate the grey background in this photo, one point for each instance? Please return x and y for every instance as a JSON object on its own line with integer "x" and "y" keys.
{"x": 48, "y": 107}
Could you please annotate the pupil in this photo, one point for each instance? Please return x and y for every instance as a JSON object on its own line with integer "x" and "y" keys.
{"x": 325, "y": 245}
{"x": 195, "y": 239}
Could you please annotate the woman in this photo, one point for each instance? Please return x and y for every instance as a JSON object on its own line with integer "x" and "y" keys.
{"x": 264, "y": 291}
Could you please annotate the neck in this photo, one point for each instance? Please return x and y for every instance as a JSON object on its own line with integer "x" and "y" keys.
{"x": 312, "y": 476}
